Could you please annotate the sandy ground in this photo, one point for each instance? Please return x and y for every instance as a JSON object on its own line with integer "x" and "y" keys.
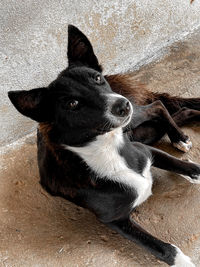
{"x": 39, "y": 230}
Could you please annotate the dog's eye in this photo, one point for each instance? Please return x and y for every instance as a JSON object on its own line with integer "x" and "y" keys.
{"x": 72, "y": 104}
{"x": 98, "y": 79}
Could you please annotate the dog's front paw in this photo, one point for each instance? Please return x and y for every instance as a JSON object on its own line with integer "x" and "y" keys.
{"x": 181, "y": 260}
{"x": 183, "y": 146}
{"x": 194, "y": 177}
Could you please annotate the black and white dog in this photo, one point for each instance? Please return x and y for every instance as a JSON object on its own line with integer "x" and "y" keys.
{"x": 84, "y": 155}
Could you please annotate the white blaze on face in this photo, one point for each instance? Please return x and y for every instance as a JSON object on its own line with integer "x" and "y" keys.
{"x": 111, "y": 99}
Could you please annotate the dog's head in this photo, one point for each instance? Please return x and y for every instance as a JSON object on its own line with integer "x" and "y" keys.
{"x": 79, "y": 104}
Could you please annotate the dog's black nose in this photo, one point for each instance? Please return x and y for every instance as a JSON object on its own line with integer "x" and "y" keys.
{"x": 121, "y": 108}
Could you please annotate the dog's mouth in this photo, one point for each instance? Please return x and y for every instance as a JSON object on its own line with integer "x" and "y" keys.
{"x": 126, "y": 121}
{"x": 110, "y": 127}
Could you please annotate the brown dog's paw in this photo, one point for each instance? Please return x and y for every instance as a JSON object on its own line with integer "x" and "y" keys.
{"x": 183, "y": 146}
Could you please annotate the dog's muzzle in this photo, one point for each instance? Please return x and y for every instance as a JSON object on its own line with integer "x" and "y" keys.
{"x": 121, "y": 108}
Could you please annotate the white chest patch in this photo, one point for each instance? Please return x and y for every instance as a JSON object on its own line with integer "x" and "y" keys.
{"x": 103, "y": 158}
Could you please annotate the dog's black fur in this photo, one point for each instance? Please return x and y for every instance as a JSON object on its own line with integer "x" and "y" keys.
{"x": 80, "y": 139}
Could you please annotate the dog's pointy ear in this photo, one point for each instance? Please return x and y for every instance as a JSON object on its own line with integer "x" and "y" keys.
{"x": 80, "y": 50}
{"x": 32, "y": 104}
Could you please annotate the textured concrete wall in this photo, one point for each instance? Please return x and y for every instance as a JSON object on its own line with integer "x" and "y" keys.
{"x": 33, "y": 41}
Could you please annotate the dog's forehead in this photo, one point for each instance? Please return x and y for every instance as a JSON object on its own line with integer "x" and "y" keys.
{"x": 77, "y": 75}
{"x": 81, "y": 73}
{"x": 79, "y": 79}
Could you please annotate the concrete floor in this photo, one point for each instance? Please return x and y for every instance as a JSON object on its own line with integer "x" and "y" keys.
{"x": 39, "y": 230}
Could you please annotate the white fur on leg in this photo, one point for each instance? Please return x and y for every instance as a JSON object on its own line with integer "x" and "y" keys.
{"x": 182, "y": 260}
{"x": 183, "y": 146}
{"x": 195, "y": 180}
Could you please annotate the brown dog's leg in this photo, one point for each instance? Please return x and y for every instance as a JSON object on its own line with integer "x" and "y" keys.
{"x": 147, "y": 133}
{"x": 185, "y": 115}
{"x": 152, "y": 131}
{"x": 174, "y": 103}
{"x": 154, "y": 121}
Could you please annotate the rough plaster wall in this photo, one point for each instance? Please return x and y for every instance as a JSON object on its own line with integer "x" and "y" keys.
{"x": 33, "y": 41}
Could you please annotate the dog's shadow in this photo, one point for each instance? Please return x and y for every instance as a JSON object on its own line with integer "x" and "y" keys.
{"x": 40, "y": 229}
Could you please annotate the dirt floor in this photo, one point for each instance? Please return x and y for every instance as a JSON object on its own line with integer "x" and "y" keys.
{"x": 39, "y": 230}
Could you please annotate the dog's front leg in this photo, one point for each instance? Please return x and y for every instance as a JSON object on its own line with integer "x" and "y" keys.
{"x": 189, "y": 170}
{"x": 158, "y": 112}
{"x": 166, "y": 252}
